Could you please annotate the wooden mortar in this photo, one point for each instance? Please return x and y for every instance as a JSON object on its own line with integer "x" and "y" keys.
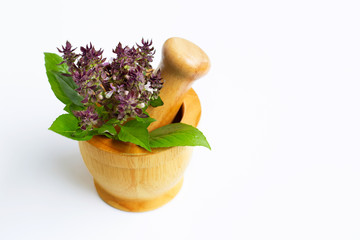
{"x": 139, "y": 180}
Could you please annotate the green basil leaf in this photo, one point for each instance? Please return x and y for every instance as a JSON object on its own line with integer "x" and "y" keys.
{"x": 52, "y": 63}
{"x": 72, "y": 107}
{"x": 55, "y": 86}
{"x": 67, "y": 87}
{"x": 135, "y": 132}
{"x": 68, "y": 125}
{"x": 113, "y": 121}
{"x": 107, "y": 129}
{"x": 147, "y": 120}
{"x": 83, "y": 135}
{"x": 156, "y": 102}
{"x": 62, "y": 86}
{"x": 177, "y": 134}
{"x": 68, "y": 80}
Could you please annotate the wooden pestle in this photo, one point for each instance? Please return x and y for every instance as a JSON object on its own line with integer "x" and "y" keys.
{"x": 182, "y": 63}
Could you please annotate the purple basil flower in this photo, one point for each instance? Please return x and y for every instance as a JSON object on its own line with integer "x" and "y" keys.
{"x": 88, "y": 118}
{"x": 121, "y": 87}
{"x": 68, "y": 54}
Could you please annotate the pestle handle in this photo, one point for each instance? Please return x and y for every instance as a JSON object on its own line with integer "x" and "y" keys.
{"x": 181, "y": 64}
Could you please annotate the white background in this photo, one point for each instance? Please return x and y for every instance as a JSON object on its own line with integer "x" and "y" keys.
{"x": 280, "y": 110}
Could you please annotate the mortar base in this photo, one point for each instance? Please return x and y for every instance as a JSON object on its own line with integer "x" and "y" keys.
{"x": 134, "y": 205}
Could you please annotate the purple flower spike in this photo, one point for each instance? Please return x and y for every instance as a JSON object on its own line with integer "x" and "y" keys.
{"x": 68, "y": 54}
{"x": 89, "y": 118}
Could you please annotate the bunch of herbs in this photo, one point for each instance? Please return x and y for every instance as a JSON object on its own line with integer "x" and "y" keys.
{"x": 110, "y": 97}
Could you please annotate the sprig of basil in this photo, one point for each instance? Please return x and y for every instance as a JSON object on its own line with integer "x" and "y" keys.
{"x": 134, "y": 131}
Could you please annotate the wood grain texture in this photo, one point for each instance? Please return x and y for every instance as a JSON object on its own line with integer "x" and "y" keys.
{"x": 130, "y": 178}
{"x": 181, "y": 64}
